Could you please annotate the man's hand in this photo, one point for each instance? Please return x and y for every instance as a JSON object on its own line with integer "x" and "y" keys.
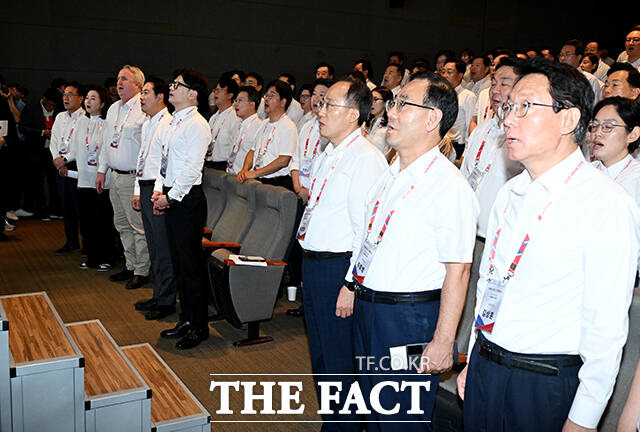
{"x": 100, "y": 179}
{"x": 303, "y": 194}
{"x": 63, "y": 171}
{"x": 439, "y": 357}
{"x": 2, "y": 142}
{"x": 135, "y": 203}
{"x": 344, "y": 305}
{"x": 46, "y": 133}
{"x": 242, "y": 176}
{"x": 462, "y": 382}
{"x": 570, "y": 426}
{"x": 58, "y": 162}
{"x": 160, "y": 202}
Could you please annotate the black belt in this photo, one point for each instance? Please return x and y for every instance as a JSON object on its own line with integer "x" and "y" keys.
{"x": 324, "y": 255}
{"x": 146, "y": 182}
{"x": 365, "y": 294}
{"x": 124, "y": 172}
{"x": 166, "y": 189}
{"x": 544, "y": 365}
{"x": 480, "y": 239}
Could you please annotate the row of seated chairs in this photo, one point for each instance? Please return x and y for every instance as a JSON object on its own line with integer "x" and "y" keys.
{"x": 247, "y": 219}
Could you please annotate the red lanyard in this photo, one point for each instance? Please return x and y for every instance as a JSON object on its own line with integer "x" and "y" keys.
{"x": 63, "y": 151}
{"x": 236, "y": 146}
{"x": 333, "y": 167}
{"x": 625, "y": 167}
{"x": 525, "y": 242}
{"x": 86, "y": 140}
{"x": 171, "y": 132}
{"x": 315, "y": 148}
{"x": 115, "y": 126}
{"x": 484, "y": 141}
{"x": 269, "y": 140}
{"x": 388, "y": 218}
{"x": 217, "y": 133}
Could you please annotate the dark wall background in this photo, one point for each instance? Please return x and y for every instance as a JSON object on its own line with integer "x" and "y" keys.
{"x": 89, "y": 40}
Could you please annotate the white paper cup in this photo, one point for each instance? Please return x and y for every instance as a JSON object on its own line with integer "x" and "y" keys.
{"x": 291, "y": 293}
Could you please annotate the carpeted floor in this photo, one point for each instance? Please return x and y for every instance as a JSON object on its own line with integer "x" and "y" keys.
{"x": 28, "y": 264}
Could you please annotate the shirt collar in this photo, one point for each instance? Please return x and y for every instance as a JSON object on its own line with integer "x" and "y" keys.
{"x": 45, "y": 112}
{"x": 76, "y": 113}
{"x": 615, "y": 169}
{"x": 417, "y": 167}
{"x": 249, "y": 119}
{"x": 159, "y": 114}
{"x": 182, "y": 114}
{"x": 331, "y": 147}
{"x": 279, "y": 120}
{"x": 551, "y": 180}
{"x": 131, "y": 101}
{"x": 459, "y": 88}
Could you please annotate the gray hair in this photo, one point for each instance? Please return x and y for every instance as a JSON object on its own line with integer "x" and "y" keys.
{"x": 138, "y": 75}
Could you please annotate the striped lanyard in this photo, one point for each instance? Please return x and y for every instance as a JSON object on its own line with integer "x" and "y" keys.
{"x": 525, "y": 242}
{"x": 236, "y": 146}
{"x": 623, "y": 169}
{"x": 147, "y": 148}
{"x": 374, "y": 212}
{"x": 273, "y": 131}
{"x": 86, "y": 140}
{"x": 315, "y": 148}
{"x": 218, "y": 133}
{"x": 171, "y": 131}
{"x": 63, "y": 151}
{"x": 331, "y": 170}
{"x": 484, "y": 141}
{"x": 126, "y": 117}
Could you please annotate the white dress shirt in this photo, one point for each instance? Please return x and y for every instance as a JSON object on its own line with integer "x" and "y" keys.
{"x": 338, "y": 220}
{"x": 596, "y": 86}
{"x": 124, "y": 122}
{"x": 305, "y": 118}
{"x": 187, "y": 138}
{"x": 483, "y": 107}
{"x": 483, "y": 84}
{"x": 310, "y": 146}
{"x": 467, "y": 102}
{"x": 624, "y": 58}
{"x": 65, "y": 126}
{"x": 571, "y": 291}
{"x": 601, "y": 71}
{"x": 275, "y": 139}
{"x": 224, "y": 127}
{"x": 150, "y": 154}
{"x": 435, "y": 224}
{"x": 246, "y": 137}
{"x": 86, "y": 147}
{"x": 626, "y": 173}
{"x": 371, "y": 84}
{"x": 494, "y": 157}
{"x": 396, "y": 90}
{"x": 47, "y": 115}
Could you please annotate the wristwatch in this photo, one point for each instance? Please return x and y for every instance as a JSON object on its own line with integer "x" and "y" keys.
{"x": 351, "y": 286}
{"x": 169, "y": 200}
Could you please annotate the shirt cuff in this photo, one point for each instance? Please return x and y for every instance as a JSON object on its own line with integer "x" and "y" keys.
{"x": 136, "y": 188}
{"x": 585, "y": 411}
{"x": 174, "y": 194}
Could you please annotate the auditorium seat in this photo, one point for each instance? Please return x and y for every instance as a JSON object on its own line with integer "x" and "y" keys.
{"x": 247, "y": 294}
{"x": 213, "y": 187}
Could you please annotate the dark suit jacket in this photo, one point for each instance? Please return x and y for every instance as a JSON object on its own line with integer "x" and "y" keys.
{"x": 32, "y": 124}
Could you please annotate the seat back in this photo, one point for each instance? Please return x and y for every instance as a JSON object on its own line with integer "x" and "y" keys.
{"x": 238, "y": 211}
{"x": 272, "y": 229}
{"x": 213, "y": 187}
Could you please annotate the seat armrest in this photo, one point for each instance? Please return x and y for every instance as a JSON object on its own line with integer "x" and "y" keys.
{"x": 230, "y": 263}
{"x": 219, "y": 245}
{"x": 207, "y": 233}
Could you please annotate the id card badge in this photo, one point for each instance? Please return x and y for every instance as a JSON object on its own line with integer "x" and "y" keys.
{"x": 361, "y": 267}
{"x": 115, "y": 141}
{"x": 232, "y": 159}
{"x": 92, "y": 159}
{"x": 304, "y": 223}
{"x": 305, "y": 167}
{"x": 163, "y": 166}
{"x": 474, "y": 178}
{"x": 490, "y": 305}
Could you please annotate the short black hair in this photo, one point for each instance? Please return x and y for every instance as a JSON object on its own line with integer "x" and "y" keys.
{"x": 257, "y": 76}
{"x": 252, "y": 94}
{"x": 51, "y": 94}
{"x": 633, "y": 75}
{"x": 398, "y": 67}
{"x": 513, "y": 62}
{"x": 485, "y": 60}
{"x": 332, "y": 71}
{"x": 284, "y": 91}
{"x": 398, "y": 54}
{"x": 577, "y": 44}
{"x": 366, "y": 66}
{"x": 198, "y": 83}
{"x": 229, "y": 83}
{"x": 323, "y": 82}
{"x": 104, "y": 98}
{"x": 629, "y": 112}
{"x": 291, "y": 80}
{"x": 440, "y": 94}
{"x": 468, "y": 52}
{"x": 159, "y": 87}
{"x": 360, "y": 97}
{"x": 447, "y": 53}
{"x": 304, "y": 87}
{"x": 356, "y": 74}
{"x": 238, "y": 72}
{"x": 422, "y": 64}
{"x": 568, "y": 87}
{"x": 82, "y": 91}
{"x": 461, "y": 66}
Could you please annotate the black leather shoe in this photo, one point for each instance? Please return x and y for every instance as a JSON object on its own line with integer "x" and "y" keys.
{"x": 297, "y": 312}
{"x": 137, "y": 282}
{"x": 180, "y": 330}
{"x": 193, "y": 338}
{"x": 160, "y": 312}
{"x": 66, "y": 249}
{"x": 121, "y": 276}
{"x": 145, "y": 305}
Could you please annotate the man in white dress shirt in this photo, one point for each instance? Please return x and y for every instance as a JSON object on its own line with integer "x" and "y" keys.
{"x": 556, "y": 281}
{"x": 153, "y": 100}
{"x": 331, "y": 226}
{"x": 571, "y": 53}
{"x": 324, "y": 70}
{"x": 392, "y": 78}
{"x": 631, "y": 53}
{"x": 622, "y": 80}
{"x": 64, "y": 126}
{"x": 268, "y": 161}
{"x": 467, "y": 105}
{"x": 480, "y": 76}
{"x": 603, "y": 68}
{"x": 121, "y": 143}
{"x": 420, "y": 207}
{"x": 246, "y": 103}
{"x": 224, "y": 123}
{"x": 184, "y": 148}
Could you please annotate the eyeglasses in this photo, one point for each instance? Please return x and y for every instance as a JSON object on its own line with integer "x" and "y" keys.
{"x": 375, "y": 99}
{"x": 605, "y": 127}
{"x": 270, "y": 95}
{"x": 237, "y": 101}
{"x": 400, "y": 103}
{"x": 328, "y": 105}
{"x": 520, "y": 109}
{"x": 304, "y": 96}
{"x": 218, "y": 89}
{"x": 636, "y": 40}
{"x": 175, "y": 84}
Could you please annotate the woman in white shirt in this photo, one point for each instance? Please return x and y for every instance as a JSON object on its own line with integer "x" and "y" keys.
{"x": 375, "y": 128}
{"x": 96, "y": 214}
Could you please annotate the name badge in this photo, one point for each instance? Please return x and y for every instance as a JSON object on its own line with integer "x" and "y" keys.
{"x": 92, "y": 159}
{"x": 232, "y": 159}
{"x": 305, "y": 167}
{"x": 361, "y": 267}
{"x": 474, "y": 178}
{"x": 490, "y": 306}
{"x": 304, "y": 223}
{"x": 115, "y": 141}
{"x": 163, "y": 166}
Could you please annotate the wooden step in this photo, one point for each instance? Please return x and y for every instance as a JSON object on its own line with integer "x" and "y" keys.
{"x": 173, "y": 407}
{"x": 117, "y": 399}
{"x": 46, "y": 368}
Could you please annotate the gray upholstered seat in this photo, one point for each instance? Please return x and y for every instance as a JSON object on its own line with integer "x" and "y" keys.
{"x": 213, "y": 186}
